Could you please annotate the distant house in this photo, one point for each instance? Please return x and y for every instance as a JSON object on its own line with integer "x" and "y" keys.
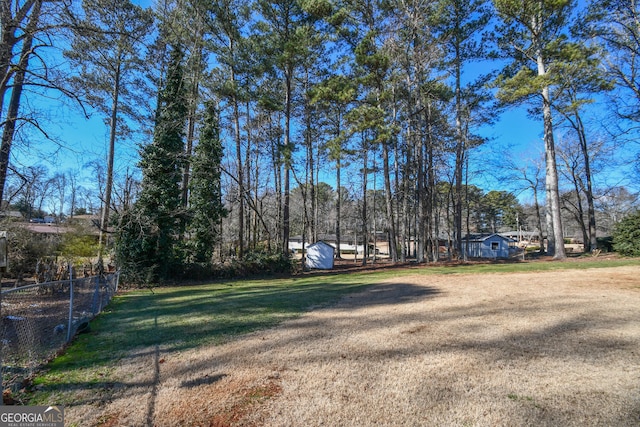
{"x": 489, "y": 246}
{"x": 15, "y": 215}
{"x": 522, "y": 235}
{"x": 347, "y": 244}
{"x": 320, "y": 255}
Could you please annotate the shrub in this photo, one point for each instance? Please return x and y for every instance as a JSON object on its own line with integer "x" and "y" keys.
{"x": 78, "y": 243}
{"x": 605, "y": 244}
{"x": 25, "y": 248}
{"x": 255, "y": 264}
{"x": 626, "y": 236}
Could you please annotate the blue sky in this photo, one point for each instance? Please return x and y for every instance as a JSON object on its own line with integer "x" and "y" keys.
{"x": 83, "y": 140}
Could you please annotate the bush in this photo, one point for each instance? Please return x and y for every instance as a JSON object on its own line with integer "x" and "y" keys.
{"x": 255, "y": 264}
{"x": 25, "y": 248}
{"x": 605, "y": 244}
{"x": 626, "y": 236}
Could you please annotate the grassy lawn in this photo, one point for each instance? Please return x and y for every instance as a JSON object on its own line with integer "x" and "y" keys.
{"x": 186, "y": 317}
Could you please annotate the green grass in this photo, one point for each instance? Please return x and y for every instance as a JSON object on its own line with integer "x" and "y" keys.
{"x": 181, "y": 318}
{"x": 186, "y": 317}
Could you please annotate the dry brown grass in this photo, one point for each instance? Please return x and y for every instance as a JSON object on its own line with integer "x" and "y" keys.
{"x": 545, "y": 349}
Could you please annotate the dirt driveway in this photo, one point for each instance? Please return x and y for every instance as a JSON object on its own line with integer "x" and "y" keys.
{"x": 544, "y": 349}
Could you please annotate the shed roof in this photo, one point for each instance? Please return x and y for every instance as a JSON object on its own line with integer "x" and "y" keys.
{"x": 486, "y": 236}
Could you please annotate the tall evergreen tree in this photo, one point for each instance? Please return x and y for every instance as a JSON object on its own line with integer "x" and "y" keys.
{"x": 286, "y": 32}
{"x": 205, "y": 202}
{"x": 226, "y": 20}
{"x": 460, "y": 23}
{"x": 332, "y": 97}
{"x": 364, "y": 28}
{"x": 532, "y": 35}
{"x": 160, "y": 201}
{"x": 416, "y": 93}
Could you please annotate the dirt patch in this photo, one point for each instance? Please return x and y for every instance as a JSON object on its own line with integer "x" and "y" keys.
{"x": 553, "y": 348}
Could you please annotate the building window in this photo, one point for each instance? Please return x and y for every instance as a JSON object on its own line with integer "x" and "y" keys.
{"x": 494, "y": 246}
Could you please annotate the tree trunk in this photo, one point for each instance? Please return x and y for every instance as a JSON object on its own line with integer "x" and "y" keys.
{"x": 538, "y": 218}
{"x": 191, "y": 125}
{"x": 239, "y": 165}
{"x": 338, "y": 208}
{"x": 553, "y": 193}
{"x": 310, "y": 181}
{"x": 287, "y": 162}
{"x": 16, "y": 92}
{"x": 8, "y": 40}
{"x": 405, "y": 234}
{"x": 104, "y": 221}
{"x": 276, "y": 163}
{"x": 247, "y": 181}
{"x": 460, "y": 154}
{"x": 364, "y": 216}
{"x": 421, "y": 195}
{"x": 192, "y": 116}
{"x": 391, "y": 222}
{"x": 431, "y": 230}
{"x": 554, "y": 218}
{"x": 591, "y": 211}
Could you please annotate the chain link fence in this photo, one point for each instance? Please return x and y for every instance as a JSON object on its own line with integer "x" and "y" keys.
{"x": 38, "y": 320}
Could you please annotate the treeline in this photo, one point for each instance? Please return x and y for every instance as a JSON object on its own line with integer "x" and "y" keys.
{"x": 241, "y": 102}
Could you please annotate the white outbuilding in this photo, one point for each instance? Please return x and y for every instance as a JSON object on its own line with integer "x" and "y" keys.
{"x": 320, "y": 255}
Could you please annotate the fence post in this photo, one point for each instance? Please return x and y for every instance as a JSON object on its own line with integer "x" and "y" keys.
{"x": 70, "y": 303}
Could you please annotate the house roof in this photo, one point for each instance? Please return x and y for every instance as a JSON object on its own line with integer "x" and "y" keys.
{"x": 486, "y": 236}
{"x": 520, "y": 233}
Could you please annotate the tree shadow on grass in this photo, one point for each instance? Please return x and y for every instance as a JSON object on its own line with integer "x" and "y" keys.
{"x": 223, "y": 312}
{"x": 143, "y": 324}
{"x": 187, "y": 318}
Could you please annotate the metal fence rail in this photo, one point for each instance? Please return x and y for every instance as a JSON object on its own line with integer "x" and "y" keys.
{"x": 38, "y": 320}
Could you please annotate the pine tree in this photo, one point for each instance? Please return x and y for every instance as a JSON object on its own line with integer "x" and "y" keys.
{"x": 286, "y": 33}
{"x": 332, "y": 98}
{"x": 532, "y": 35}
{"x": 227, "y": 20}
{"x": 459, "y": 23}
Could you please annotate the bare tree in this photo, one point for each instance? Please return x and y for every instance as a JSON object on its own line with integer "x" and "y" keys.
{"x": 106, "y": 46}
{"x": 19, "y": 24}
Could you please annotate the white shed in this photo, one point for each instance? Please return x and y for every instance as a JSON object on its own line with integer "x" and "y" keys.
{"x": 320, "y": 255}
{"x": 488, "y": 246}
